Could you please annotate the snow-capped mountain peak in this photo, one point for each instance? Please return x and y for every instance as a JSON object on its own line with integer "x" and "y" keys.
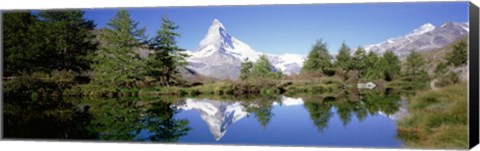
{"x": 219, "y": 55}
{"x": 423, "y": 29}
{"x": 424, "y": 38}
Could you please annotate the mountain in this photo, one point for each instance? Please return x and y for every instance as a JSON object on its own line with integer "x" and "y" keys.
{"x": 220, "y": 114}
{"x": 219, "y": 55}
{"x": 425, "y": 38}
{"x": 217, "y": 114}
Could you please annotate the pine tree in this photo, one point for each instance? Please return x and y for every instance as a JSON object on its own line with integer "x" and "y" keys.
{"x": 414, "y": 64}
{"x": 117, "y": 63}
{"x": 343, "y": 59}
{"x": 164, "y": 63}
{"x": 263, "y": 69}
{"x": 69, "y": 39}
{"x": 391, "y": 67}
{"x": 318, "y": 60}
{"x": 21, "y": 45}
{"x": 370, "y": 70}
{"x": 245, "y": 69}
{"x": 459, "y": 55}
{"x": 358, "y": 60}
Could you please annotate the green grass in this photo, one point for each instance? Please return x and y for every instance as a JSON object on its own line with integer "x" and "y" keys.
{"x": 438, "y": 119}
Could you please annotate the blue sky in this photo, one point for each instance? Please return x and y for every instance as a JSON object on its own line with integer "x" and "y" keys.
{"x": 278, "y": 29}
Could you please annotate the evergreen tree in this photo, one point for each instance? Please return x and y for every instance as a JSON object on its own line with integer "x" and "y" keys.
{"x": 343, "y": 59}
{"x": 117, "y": 63}
{"x": 21, "y": 45}
{"x": 414, "y": 64}
{"x": 264, "y": 69}
{"x": 318, "y": 60}
{"x": 370, "y": 70}
{"x": 52, "y": 40}
{"x": 164, "y": 63}
{"x": 358, "y": 60}
{"x": 245, "y": 68}
{"x": 69, "y": 40}
{"x": 459, "y": 55}
{"x": 392, "y": 67}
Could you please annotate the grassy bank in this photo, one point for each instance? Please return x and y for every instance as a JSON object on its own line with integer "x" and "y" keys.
{"x": 438, "y": 119}
{"x": 225, "y": 87}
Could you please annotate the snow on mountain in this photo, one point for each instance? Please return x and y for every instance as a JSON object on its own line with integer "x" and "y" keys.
{"x": 219, "y": 55}
{"x": 217, "y": 114}
{"x": 220, "y": 114}
{"x": 424, "y": 38}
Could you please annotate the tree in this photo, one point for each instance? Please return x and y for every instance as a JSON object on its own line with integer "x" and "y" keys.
{"x": 358, "y": 60}
{"x": 370, "y": 61}
{"x": 318, "y": 60}
{"x": 69, "y": 40}
{"x": 21, "y": 47}
{"x": 166, "y": 59}
{"x": 245, "y": 68}
{"x": 117, "y": 63}
{"x": 414, "y": 64}
{"x": 343, "y": 59}
{"x": 264, "y": 69}
{"x": 48, "y": 41}
{"x": 391, "y": 68}
{"x": 459, "y": 55}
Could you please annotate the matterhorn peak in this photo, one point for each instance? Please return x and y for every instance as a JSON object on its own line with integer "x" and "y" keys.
{"x": 216, "y": 36}
{"x": 216, "y": 23}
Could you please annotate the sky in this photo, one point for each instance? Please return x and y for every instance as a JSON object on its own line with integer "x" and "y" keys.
{"x": 280, "y": 29}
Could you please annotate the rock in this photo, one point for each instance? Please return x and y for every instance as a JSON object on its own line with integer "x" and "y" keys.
{"x": 368, "y": 85}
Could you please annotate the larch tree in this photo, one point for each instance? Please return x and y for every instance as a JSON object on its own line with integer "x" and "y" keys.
{"x": 318, "y": 60}
{"x": 116, "y": 62}
{"x": 167, "y": 57}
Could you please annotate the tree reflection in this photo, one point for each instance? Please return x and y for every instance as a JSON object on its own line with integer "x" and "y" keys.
{"x": 133, "y": 119}
{"x": 262, "y": 108}
{"x": 45, "y": 117}
{"x": 350, "y": 103}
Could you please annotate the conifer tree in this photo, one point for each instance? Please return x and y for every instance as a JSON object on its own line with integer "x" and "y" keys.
{"x": 414, "y": 64}
{"x": 343, "y": 59}
{"x": 167, "y": 58}
{"x": 358, "y": 60}
{"x": 264, "y": 69}
{"x": 459, "y": 55}
{"x": 391, "y": 67}
{"x": 117, "y": 63}
{"x": 245, "y": 69}
{"x": 69, "y": 39}
{"x": 318, "y": 60}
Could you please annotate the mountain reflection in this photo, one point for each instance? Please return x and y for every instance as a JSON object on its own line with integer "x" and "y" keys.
{"x": 154, "y": 119}
{"x": 220, "y": 114}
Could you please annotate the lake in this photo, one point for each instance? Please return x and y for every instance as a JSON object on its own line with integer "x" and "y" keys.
{"x": 366, "y": 120}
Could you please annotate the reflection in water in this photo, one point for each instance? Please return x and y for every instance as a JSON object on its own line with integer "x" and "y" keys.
{"x": 155, "y": 119}
{"x": 218, "y": 115}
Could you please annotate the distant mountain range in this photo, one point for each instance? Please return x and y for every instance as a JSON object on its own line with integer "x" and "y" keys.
{"x": 425, "y": 38}
{"x": 219, "y": 54}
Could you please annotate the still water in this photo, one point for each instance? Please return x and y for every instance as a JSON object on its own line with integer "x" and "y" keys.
{"x": 368, "y": 121}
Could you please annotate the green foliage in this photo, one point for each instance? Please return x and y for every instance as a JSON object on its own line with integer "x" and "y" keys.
{"x": 459, "y": 55}
{"x": 245, "y": 68}
{"x": 343, "y": 59}
{"x": 391, "y": 69}
{"x": 414, "y": 64}
{"x": 438, "y": 119}
{"x": 164, "y": 63}
{"x": 116, "y": 62}
{"x": 264, "y": 69}
{"x": 50, "y": 40}
{"x": 359, "y": 60}
{"x": 318, "y": 60}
